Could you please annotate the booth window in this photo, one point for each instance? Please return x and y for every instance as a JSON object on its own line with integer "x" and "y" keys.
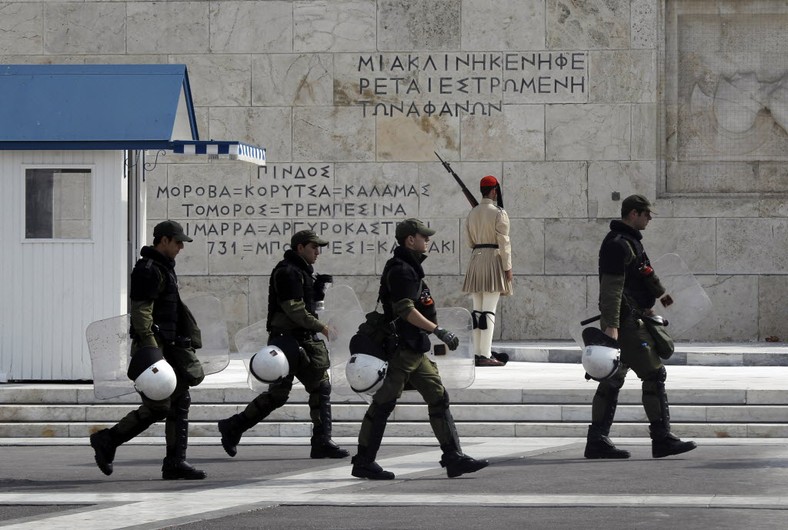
{"x": 57, "y": 203}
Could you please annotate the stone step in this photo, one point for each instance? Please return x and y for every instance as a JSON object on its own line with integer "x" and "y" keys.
{"x": 82, "y": 395}
{"x": 405, "y": 412}
{"x": 416, "y": 429}
{"x": 687, "y": 353}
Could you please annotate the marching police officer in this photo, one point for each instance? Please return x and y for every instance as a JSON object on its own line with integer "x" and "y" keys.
{"x": 160, "y": 322}
{"x": 292, "y": 316}
{"x": 628, "y": 290}
{"x": 406, "y": 298}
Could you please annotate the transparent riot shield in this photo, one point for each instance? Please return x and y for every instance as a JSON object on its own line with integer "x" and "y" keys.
{"x": 343, "y": 315}
{"x": 110, "y": 347}
{"x": 583, "y": 318}
{"x": 458, "y": 367}
{"x": 248, "y": 341}
{"x": 689, "y": 303}
{"x": 209, "y": 314}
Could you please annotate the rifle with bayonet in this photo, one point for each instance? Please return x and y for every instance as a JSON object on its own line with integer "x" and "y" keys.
{"x": 465, "y": 190}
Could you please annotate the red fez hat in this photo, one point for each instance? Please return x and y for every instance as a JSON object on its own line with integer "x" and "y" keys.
{"x": 488, "y": 182}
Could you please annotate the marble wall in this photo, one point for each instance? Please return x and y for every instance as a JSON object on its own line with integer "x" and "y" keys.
{"x": 573, "y": 105}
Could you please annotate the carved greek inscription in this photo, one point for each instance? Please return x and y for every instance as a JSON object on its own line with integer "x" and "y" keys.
{"x": 357, "y": 216}
{"x": 466, "y": 83}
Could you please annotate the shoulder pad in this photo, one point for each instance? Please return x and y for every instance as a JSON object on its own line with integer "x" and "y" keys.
{"x": 145, "y": 280}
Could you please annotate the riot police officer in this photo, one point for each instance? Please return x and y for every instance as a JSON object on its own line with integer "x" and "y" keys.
{"x": 628, "y": 290}
{"x": 292, "y": 317}
{"x": 406, "y": 298}
{"x": 159, "y": 321}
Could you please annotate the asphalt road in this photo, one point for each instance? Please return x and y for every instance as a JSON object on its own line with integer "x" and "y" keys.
{"x": 531, "y": 483}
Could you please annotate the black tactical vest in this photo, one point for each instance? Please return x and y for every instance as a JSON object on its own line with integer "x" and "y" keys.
{"x": 636, "y": 288}
{"x": 299, "y": 274}
{"x": 413, "y": 336}
{"x": 146, "y": 285}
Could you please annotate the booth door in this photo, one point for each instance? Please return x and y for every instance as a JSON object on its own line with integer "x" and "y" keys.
{"x": 64, "y": 228}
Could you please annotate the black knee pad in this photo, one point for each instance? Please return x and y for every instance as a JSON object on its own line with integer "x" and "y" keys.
{"x": 324, "y": 389}
{"x": 609, "y": 388}
{"x": 654, "y": 382}
{"x": 657, "y": 376}
{"x": 381, "y": 410}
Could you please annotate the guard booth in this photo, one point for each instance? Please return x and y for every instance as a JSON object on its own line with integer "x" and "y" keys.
{"x": 73, "y": 140}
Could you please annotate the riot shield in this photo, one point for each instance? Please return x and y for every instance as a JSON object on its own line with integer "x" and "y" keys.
{"x": 209, "y": 314}
{"x": 249, "y": 341}
{"x": 343, "y": 315}
{"x": 690, "y": 304}
{"x": 458, "y": 367}
{"x": 110, "y": 347}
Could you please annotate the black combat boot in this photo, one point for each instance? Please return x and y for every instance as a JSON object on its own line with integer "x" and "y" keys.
{"x": 372, "y": 429}
{"x": 668, "y": 444}
{"x": 457, "y": 464}
{"x": 663, "y": 442}
{"x": 104, "y": 445}
{"x": 598, "y": 445}
{"x": 322, "y": 444}
{"x": 175, "y": 466}
{"x": 231, "y": 430}
{"x": 324, "y": 447}
{"x": 363, "y": 467}
{"x": 106, "y": 441}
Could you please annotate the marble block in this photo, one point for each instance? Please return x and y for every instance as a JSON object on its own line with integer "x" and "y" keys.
{"x": 219, "y": 80}
{"x": 772, "y": 293}
{"x": 20, "y": 28}
{"x": 734, "y": 313}
{"x": 517, "y": 133}
{"x": 644, "y": 132}
{"x": 442, "y": 196}
{"x": 235, "y": 27}
{"x": 268, "y": 127}
{"x": 78, "y": 28}
{"x": 587, "y": 132}
{"x": 545, "y": 189}
{"x": 332, "y": 134}
{"x": 379, "y": 190}
{"x": 403, "y": 138}
{"x": 334, "y": 26}
{"x": 627, "y": 76}
{"x": 625, "y": 178}
{"x": 232, "y": 291}
{"x": 752, "y": 246}
{"x": 692, "y": 239}
{"x": 166, "y": 27}
{"x": 292, "y": 80}
{"x": 539, "y": 308}
{"x": 572, "y": 245}
{"x": 588, "y": 25}
{"x": 644, "y": 26}
{"x": 498, "y": 25}
{"x": 418, "y": 25}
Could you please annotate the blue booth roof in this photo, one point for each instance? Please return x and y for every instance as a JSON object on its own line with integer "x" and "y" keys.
{"x": 93, "y": 106}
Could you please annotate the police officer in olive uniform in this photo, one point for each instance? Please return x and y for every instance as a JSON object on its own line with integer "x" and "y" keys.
{"x": 407, "y": 299}
{"x": 292, "y": 296}
{"x": 628, "y": 291}
{"x": 160, "y": 319}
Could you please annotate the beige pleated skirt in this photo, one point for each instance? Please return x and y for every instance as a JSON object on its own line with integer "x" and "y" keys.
{"x": 485, "y": 273}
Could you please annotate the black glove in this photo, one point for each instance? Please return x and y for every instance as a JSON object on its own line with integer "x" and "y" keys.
{"x": 449, "y": 338}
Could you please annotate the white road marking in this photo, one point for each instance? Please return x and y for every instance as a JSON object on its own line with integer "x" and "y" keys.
{"x": 120, "y": 510}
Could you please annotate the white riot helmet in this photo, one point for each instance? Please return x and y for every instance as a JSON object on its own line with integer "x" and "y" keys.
{"x": 152, "y": 375}
{"x": 601, "y": 356}
{"x": 365, "y": 373}
{"x": 269, "y": 365}
{"x": 600, "y": 362}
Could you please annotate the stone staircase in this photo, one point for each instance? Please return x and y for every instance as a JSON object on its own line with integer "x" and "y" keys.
{"x": 545, "y": 408}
